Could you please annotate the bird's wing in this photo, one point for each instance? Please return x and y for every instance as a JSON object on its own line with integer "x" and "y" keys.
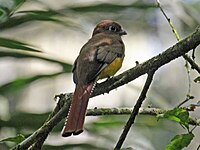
{"x": 93, "y": 59}
{"x": 105, "y": 55}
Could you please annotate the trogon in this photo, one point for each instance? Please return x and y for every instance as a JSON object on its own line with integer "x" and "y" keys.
{"x": 101, "y": 57}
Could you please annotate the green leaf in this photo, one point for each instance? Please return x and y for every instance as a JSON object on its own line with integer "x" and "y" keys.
{"x": 197, "y": 80}
{"x": 45, "y": 15}
{"x": 3, "y": 15}
{"x": 17, "y": 139}
{"x": 23, "y": 82}
{"x": 180, "y": 141}
{"x": 7, "y": 5}
{"x": 107, "y": 7}
{"x": 28, "y": 54}
{"x": 177, "y": 114}
{"x": 8, "y": 43}
{"x": 19, "y": 2}
{"x": 10, "y": 5}
{"x": 40, "y": 14}
{"x": 36, "y": 15}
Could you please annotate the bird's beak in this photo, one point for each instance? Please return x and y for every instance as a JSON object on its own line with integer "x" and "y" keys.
{"x": 122, "y": 32}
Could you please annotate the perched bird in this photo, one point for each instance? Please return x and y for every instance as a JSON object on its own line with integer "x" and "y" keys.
{"x": 101, "y": 57}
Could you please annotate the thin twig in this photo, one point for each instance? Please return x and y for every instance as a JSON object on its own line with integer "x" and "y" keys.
{"x": 135, "y": 110}
{"x": 169, "y": 21}
{"x": 186, "y": 57}
{"x": 178, "y": 39}
{"x": 198, "y": 148}
{"x": 188, "y": 97}
{"x": 192, "y": 63}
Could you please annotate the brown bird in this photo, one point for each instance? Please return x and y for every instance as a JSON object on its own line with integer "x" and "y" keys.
{"x": 101, "y": 57}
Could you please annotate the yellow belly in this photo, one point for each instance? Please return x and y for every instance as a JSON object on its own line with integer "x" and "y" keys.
{"x": 111, "y": 69}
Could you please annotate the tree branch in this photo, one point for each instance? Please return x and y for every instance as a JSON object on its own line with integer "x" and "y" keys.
{"x": 192, "y": 63}
{"x": 60, "y": 111}
{"x": 128, "y": 111}
{"x": 123, "y": 111}
{"x": 63, "y": 98}
{"x": 165, "y": 57}
{"x": 135, "y": 110}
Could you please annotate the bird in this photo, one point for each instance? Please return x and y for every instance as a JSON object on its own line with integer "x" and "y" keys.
{"x": 100, "y": 57}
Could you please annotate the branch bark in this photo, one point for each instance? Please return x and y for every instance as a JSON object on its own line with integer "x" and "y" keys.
{"x": 135, "y": 111}
{"x": 128, "y": 111}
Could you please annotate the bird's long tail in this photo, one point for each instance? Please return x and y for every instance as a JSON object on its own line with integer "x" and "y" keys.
{"x": 77, "y": 112}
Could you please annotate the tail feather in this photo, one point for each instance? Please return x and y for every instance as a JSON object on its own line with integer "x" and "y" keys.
{"x": 77, "y": 112}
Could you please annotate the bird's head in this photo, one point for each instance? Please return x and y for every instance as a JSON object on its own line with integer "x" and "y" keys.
{"x": 110, "y": 27}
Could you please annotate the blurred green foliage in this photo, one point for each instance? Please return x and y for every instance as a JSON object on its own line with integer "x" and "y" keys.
{"x": 19, "y": 138}
{"x": 16, "y": 45}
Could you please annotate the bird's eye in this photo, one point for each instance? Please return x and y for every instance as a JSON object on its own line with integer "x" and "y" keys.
{"x": 112, "y": 28}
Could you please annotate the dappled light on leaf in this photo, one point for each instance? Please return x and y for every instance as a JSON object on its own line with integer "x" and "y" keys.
{"x": 177, "y": 114}
{"x": 180, "y": 141}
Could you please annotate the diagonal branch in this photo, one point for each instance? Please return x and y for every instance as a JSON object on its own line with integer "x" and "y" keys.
{"x": 192, "y": 63}
{"x": 135, "y": 110}
{"x": 55, "y": 117}
{"x": 165, "y": 57}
